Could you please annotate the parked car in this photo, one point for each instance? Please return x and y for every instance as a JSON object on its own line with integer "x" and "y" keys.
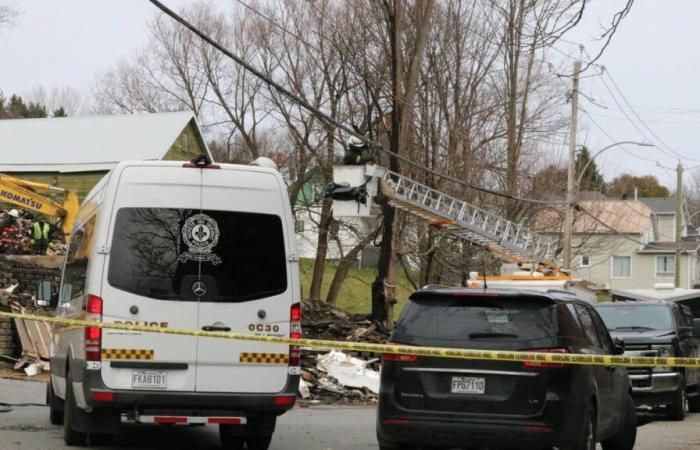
{"x": 430, "y": 402}
{"x": 658, "y": 329}
{"x": 190, "y": 246}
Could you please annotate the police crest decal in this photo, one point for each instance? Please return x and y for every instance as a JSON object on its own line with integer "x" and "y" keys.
{"x": 201, "y": 234}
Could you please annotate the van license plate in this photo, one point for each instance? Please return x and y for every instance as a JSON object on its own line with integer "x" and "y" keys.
{"x": 149, "y": 379}
{"x": 468, "y": 385}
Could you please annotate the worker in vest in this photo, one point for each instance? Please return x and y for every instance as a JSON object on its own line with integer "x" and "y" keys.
{"x": 40, "y": 234}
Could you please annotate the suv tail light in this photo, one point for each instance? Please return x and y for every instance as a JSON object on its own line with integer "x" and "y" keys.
{"x": 295, "y": 333}
{"x": 399, "y": 358}
{"x": 541, "y": 364}
{"x": 93, "y": 335}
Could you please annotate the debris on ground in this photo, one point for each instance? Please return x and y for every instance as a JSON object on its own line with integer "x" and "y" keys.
{"x": 16, "y": 227}
{"x": 34, "y": 337}
{"x": 323, "y": 321}
{"x": 337, "y": 378}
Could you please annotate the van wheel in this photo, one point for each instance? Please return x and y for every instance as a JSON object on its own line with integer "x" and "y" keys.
{"x": 101, "y": 438}
{"x": 626, "y": 437}
{"x": 56, "y": 405}
{"x": 676, "y": 410}
{"x": 259, "y": 432}
{"x": 70, "y": 436}
{"x": 258, "y": 442}
{"x": 231, "y": 437}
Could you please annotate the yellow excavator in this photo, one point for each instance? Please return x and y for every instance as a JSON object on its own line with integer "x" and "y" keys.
{"x": 22, "y": 193}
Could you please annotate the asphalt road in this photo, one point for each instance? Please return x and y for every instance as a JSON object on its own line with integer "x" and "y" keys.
{"x": 317, "y": 428}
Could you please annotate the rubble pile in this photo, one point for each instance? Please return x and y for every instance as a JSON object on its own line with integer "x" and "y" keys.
{"x": 323, "y": 321}
{"x": 16, "y": 234}
{"x": 338, "y": 377}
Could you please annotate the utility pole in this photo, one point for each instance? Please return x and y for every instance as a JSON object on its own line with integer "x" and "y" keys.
{"x": 679, "y": 217}
{"x": 570, "y": 186}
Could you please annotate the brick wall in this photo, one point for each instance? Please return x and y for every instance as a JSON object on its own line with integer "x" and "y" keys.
{"x": 7, "y": 344}
{"x": 28, "y": 271}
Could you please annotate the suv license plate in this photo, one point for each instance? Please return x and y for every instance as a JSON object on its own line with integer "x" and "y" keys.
{"x": 468, "y": 385}
{"x": 149, "y": 379}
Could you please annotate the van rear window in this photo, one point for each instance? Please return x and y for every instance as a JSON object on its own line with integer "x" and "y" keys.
{"x": 476, "y": 322}
{"x": 190, "y": 255}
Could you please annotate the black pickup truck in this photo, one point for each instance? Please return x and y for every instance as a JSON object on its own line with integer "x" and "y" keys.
{"x": 658, "y": 329}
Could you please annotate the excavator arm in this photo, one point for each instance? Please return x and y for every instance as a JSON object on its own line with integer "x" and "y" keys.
{"x": 15, "y": 191}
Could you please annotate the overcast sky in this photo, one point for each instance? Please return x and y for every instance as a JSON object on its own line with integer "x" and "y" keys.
{"x": 653, "y": 59}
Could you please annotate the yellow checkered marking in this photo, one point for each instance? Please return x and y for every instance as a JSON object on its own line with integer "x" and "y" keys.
{"x": 127, "y": 353}
{"x": 264, "y": 358}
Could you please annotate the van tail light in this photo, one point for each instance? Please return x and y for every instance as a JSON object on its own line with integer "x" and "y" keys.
{"x": 399, "y": 358}
{"x": 93, "y": 335}
{"x": 295, "y": 333}
{"x": 542, "y": 364}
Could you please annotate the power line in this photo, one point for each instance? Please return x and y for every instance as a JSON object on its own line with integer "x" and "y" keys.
{"x": 617, "y": 88}
{"x": 328, "y": 119}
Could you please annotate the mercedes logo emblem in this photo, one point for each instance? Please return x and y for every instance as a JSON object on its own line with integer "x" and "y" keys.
{"x": 199, "y": 288}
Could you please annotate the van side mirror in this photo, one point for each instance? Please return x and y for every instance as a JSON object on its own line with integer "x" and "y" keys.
{"x": 618, "y": 346}
{"x": 45, "y": 296}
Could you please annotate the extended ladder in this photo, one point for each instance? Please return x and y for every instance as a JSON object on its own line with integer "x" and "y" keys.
{"x": 502, "y": 237}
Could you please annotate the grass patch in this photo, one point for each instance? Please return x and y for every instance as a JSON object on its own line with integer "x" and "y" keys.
{"x": 355, "y": 294}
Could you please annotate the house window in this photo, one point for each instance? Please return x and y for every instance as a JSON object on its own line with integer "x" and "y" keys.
{"x": 299, "y": 226}
{"x": 621, "y": 266}
{"x": 665, "y": 266}
{"x": 585, "y": 261}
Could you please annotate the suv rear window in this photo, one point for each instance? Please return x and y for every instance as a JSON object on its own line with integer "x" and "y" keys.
{"x": 621, "y": 317}
{"x": 161, "y": 252}
{"x": 456, "y": 321}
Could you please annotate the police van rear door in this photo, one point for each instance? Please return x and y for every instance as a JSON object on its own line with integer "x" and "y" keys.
{"x": 146, "y": 282}
{"x": 241, "y": 240}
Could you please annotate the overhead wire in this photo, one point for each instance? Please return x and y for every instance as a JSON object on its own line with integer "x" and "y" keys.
{"x": 328, "y": 119}
{"x": 602, "y": 72}
{"x": 617, "y": 88}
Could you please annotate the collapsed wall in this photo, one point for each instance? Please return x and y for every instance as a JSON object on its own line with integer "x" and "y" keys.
{"x": 25, "y": 271}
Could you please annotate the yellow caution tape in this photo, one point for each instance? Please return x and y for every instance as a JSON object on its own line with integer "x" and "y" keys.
{"x": 457, "y": 353}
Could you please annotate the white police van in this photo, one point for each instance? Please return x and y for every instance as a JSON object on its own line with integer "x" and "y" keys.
{"x": 193, "y": 245}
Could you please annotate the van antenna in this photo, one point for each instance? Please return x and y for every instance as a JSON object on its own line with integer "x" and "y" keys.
{"x": 483, "y": 261}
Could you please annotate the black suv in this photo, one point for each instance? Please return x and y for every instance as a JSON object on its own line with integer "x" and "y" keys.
{"x": 657, "y": 329}
{"x": 430, "y": 402}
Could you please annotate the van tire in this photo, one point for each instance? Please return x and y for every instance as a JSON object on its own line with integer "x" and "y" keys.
{"x": 71, "y": 436}
{"x": 676, "y": 410}
{"x": 232, "y": 437}
{"x": 259, "y": 431}
{"x": 258, "y": 442}
{"x": 56, "y": 405}
{"x": 627, "y": 435}
{"x": 101, "y": 438}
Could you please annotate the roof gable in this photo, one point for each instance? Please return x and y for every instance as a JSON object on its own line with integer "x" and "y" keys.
{"x": 625, "y": 216}
{"x": 76, "y": 144}
{"x": 660, "y": 205}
